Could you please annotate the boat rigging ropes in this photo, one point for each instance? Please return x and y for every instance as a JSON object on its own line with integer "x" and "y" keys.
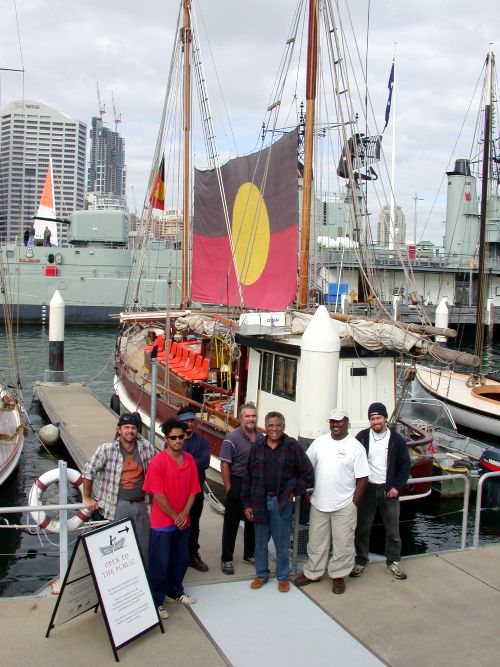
{"x": 35, "y": 500}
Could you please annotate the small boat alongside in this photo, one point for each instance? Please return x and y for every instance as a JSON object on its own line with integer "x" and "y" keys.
{"x": 452, "y": 452}
{"x": 11, "y": 434}
{"x": 475, "y": 407}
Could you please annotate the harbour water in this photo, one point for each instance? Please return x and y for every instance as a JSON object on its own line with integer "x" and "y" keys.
{"x": 27, "y": 562}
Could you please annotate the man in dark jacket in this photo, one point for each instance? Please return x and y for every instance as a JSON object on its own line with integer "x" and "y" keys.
{"x": 390, "y": 465}
{"x": 197, "y": 445}
{"x": 278, "y": 470}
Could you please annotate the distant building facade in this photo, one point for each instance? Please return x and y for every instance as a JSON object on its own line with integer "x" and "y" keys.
{"x": 107, "y": 171}
{"x": 30, "y": 134}
{"x": 384, "y": 226}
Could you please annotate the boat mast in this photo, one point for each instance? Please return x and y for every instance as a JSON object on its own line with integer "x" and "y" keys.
{"x": 481, "y": 268}
{"x": 186, "y": 38}
{"x": 312, "y": 68}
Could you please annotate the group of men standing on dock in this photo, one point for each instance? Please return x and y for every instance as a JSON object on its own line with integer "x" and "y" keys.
{"x": 352, "y": 478}
{"x": 262, "y": 474}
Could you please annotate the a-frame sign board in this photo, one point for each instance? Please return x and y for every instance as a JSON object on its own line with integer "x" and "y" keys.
{"x": 106, "y": 569}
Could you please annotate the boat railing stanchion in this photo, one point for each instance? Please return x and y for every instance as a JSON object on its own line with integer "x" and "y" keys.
{"x": 154, "y": 383}
{"x": 479, "y": 509}
{"x": 63, "y": 520}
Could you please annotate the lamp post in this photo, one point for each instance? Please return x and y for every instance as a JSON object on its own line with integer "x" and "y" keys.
{"x": 415, "y": 198}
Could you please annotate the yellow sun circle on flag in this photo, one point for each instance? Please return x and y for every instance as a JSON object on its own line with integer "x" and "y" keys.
{"x": 251, "y": 233}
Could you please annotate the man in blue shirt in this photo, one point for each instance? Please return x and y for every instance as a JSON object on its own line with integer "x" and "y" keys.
{"x": 234, "y": 453}
{"x": 197, "y": 445}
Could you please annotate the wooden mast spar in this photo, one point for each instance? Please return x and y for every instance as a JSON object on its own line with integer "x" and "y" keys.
{"x": 312, "y": 68}
{"x": 481, "y": 273}
{"x": 186, "y": 38}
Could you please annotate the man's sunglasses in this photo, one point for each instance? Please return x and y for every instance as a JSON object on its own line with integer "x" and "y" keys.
{"x": 176, "y": 437}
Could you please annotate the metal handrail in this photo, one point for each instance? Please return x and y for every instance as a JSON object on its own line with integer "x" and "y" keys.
{"x": 417, "y": 480}
{"x": 42, "y": 508}
{"x": 479, "y": 498}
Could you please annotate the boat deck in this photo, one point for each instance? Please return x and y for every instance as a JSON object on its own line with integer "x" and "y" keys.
{"x": 447, "y": 610}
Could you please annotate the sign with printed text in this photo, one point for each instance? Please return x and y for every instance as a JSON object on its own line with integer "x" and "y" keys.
{"x": 106, "y": 569}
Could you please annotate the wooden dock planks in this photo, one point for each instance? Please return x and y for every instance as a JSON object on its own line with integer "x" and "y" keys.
{"x": 84, "y": 422}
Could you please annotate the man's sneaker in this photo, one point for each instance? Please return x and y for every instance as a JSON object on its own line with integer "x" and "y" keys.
{"x": 396, "y": 570}
{"x": 185, "y": 599}
{"x": 162, "y": 612}
{"x": 357, "y": 570}
{"x": 227, "y": 566}
{"x": 249, "y": 560}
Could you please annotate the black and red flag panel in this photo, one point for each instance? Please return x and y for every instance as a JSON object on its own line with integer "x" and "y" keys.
{"x": 262, "y": 200}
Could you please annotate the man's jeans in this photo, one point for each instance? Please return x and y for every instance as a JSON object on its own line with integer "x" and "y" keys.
{"x": 279, "y": 527}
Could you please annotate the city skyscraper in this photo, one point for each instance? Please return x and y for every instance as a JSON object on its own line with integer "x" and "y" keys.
{"x": 30, "y": 134}
{"x": 107, "y": 169}
{"x": 384, "y": 223}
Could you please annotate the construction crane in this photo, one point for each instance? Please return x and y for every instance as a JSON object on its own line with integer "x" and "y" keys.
{"x": 118, "y": 117}
{"x": 102, "y": 107}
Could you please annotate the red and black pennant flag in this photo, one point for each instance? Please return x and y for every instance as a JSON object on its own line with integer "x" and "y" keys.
{"x": 262, "y": 199}
{"x": 157, "y": 197}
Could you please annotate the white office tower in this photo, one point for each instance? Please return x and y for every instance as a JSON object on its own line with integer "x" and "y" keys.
{"x": 384, "y": 226}
{"x": 30, "y": 134}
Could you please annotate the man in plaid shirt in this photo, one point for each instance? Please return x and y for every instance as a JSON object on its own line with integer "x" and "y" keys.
{"x": 118, "y": 468}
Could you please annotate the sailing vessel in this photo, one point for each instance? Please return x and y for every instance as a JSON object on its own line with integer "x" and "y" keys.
{"x": 11, "y": 409}
{"x": 302, "y": 360}
{"x": 474, "y": 399}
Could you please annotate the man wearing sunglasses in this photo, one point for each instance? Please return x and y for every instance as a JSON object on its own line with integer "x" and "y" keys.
{"x": 118, "y": 470}
{"x": 172, "y": 480}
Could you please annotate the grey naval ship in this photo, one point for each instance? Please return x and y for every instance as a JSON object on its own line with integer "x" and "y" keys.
{"x": 96, "y": 272}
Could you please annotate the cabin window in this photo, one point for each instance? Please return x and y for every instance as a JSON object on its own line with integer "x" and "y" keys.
{"x": 359, "y": 372}
{"x": 279, "y": 375}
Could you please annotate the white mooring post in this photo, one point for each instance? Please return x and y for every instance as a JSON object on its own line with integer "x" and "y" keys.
{"x": 55, "y": 372}
{"x": 441, "y": 318}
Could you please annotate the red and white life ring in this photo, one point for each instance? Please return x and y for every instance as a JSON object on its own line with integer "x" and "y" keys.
{"x": 35, "y": 500}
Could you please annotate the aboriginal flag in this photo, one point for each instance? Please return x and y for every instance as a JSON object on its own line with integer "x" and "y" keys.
{"x": 157, "y": 197}
{"x": 262, "y": 201}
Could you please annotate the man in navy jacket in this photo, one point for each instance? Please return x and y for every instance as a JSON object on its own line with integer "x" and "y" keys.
{"x": 390, "y": 465}
{"x": 278, "y": 470}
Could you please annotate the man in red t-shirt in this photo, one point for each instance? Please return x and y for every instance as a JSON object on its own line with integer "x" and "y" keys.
{"x": 172, "y": 480}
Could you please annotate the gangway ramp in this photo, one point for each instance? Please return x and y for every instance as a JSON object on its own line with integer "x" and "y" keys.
{"x": 84, "y": 422}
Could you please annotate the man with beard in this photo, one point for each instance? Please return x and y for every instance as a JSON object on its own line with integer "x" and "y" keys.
{"x": 390, "y": 466}
{"x": 119, "y": 467}
{"x": 234, "y": 453}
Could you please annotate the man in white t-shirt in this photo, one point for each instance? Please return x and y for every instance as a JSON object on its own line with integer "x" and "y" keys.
{"x": 340, "y": 479}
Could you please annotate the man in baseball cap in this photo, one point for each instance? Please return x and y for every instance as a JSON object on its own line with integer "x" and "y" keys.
{"x": 341, "y": 475}
{"x": 390, "y": 465}
{"x": 119, "y": 467}
{"x": 197, "y": 445}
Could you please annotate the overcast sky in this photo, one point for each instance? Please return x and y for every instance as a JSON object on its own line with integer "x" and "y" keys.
{"x": 126, "y": 46}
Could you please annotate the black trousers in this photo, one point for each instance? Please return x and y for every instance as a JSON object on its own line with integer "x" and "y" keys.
{"x": 232, "y": 518}
{"x": 194, "y": 518}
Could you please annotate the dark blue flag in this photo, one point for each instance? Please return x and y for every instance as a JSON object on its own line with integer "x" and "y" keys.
{"x": 390, "y": 85}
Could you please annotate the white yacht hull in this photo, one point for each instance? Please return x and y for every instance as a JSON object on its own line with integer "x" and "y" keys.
{"x": 468, "y": 405}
